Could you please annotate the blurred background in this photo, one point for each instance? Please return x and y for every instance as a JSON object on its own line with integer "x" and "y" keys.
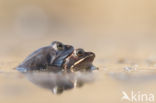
{"x": 116, "y": 30}
{"x": 108, "y": 26}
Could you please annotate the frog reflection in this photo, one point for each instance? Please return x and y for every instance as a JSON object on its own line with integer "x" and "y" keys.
{"x": 58, "y": 82}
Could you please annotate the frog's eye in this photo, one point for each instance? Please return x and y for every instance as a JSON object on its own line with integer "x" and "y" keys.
{"x": 80, "y": 52}
{"x": 60, "y": 46}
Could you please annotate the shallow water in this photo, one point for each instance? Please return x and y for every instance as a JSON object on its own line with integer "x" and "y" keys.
{"x": 109, "y": 83}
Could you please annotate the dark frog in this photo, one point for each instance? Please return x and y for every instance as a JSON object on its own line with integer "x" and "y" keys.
{"x": 79, "y": 60}
{"x": 50, "y": 57}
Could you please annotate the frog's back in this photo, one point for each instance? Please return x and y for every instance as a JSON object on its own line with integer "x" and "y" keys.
{"x": 35, "y": 53}
{"x": 37, "y": 58}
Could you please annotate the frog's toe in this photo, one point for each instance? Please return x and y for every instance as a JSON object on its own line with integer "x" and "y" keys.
{"x": 21, "y": 69}
{"x": 94, "y": 68}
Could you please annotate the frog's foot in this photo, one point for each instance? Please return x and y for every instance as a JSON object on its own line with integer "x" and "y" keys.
{"x": 21, "y": 69}
{"x": 94, "y": 68}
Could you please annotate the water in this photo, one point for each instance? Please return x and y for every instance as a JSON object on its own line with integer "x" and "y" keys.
{"x": 105, "y": 86}
{"x": 119, "y": 70}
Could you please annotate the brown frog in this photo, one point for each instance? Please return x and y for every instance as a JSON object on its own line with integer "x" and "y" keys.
{"x": 79, "y": 60}
{"x": 50, "y": 57}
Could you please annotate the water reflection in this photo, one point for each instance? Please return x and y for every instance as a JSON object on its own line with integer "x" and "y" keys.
{"x": 58, "y": 82}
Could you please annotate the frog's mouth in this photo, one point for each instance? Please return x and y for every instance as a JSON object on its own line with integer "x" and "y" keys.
{"x": 60, "y": 60}
{"x": 84, "y": 63}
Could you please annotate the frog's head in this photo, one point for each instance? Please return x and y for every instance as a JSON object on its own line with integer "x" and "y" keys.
{"x": 62, "y": 52}
{"x": 79, "y": 60}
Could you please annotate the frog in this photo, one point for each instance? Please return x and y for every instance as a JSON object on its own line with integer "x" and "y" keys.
{"x": 80, "y": 60}
{"x": 49, "y": 57}
{"x": 66, "y": 64}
